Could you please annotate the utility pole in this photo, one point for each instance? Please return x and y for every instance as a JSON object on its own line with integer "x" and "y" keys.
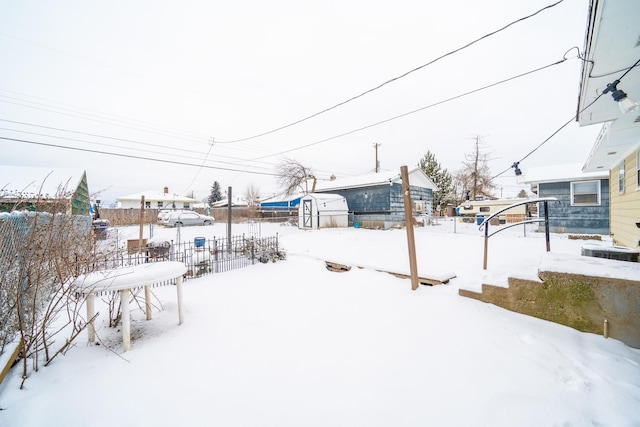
{"x": 376, "y": 145}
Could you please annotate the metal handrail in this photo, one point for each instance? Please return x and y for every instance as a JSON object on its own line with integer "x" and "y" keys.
{"x": 485, "y": 224}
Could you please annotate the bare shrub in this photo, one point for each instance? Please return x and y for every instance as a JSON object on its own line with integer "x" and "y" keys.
{"x": 39, "y": 253}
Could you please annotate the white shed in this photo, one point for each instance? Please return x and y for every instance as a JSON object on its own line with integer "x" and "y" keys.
{"x": 323, "y": 210}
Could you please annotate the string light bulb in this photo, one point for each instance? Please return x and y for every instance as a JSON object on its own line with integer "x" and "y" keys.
{"x": 516, "y": 168}
{"x": 518, "y": 172}
{"x": 626, "y": 104}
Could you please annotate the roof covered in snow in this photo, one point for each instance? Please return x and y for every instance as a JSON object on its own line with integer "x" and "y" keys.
{"x": 558, "y": 173}
{"x": 153, "y": 196}
{"x": 416, "y": 178}
{"x": 327, "y": 201}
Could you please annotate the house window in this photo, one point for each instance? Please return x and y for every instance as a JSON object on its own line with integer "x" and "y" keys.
{"x": 585, "y": 193}
{"x": 160, "y": 203}
{"x": 621, "y": 177}
{"x": 485, "y": 209}
{"x": 147, "y": 205}
{"x": 186, "y": 205}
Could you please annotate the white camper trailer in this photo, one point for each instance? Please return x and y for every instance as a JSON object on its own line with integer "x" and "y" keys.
{"x": 323, "y": 210}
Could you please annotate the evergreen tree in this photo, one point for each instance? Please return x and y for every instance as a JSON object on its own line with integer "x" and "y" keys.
{"x": 215, "y": 194}
{"x": 440, "y": 177}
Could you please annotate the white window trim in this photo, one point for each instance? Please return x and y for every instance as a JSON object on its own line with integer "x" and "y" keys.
{"x": 621, "y": 177}
{"x": 599, "y": 193}
{"x": 638, "y": 169}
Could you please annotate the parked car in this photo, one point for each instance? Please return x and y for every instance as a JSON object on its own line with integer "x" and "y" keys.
{"x": 164, "y": 214}
{"x": 184, "y": 218}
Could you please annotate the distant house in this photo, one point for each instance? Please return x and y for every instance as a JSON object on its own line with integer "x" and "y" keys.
{"x": 583, "y": 197}
{"x": 157, "y": 200}
{"x": 610, "y": 61}
{"x": 44, "y": 189}
{"x": 236, "y": 201}
{"x": 376, "y": 200}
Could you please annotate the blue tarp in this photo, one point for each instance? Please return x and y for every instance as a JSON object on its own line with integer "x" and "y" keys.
{"x": 280, "y": 205}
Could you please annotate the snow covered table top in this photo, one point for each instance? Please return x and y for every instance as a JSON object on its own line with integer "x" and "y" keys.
{"x": 128, "y": 277}
{"x": 123, "y": 280}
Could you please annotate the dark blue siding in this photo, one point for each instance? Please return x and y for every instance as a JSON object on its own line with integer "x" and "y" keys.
{"x": 564, "y": 218}
{"x": 383, "y": 203}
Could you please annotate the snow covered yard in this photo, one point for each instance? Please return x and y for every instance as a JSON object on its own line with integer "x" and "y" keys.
{"x": 293, "y": 344}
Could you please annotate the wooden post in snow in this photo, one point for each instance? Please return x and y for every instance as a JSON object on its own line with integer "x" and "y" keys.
{"x": 408, "y": 218}
{"x": 229, "y": 214}
{"x": 147, "y": 294}
{"x": 141, "y": 224}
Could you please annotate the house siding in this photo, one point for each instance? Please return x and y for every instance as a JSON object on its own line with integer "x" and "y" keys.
{"x": 625, "y": 207}
{"x": 381, "y": 205}
{"x": 565, "y": 218}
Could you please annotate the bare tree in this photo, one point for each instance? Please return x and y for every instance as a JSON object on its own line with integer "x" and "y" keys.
{"x": 475, "y": 175}
{"x": 252, "y": 195}
{"x": 293, "y": 176}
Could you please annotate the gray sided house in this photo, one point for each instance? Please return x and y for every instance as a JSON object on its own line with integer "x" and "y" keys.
{"x": 583, "y": 198}
{"x": 375, "y": 200}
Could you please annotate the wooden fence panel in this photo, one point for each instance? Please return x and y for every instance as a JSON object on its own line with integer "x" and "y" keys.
{"x": 131, "y": 216}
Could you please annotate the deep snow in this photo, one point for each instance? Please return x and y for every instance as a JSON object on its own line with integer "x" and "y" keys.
{"x": 293, "y": 344}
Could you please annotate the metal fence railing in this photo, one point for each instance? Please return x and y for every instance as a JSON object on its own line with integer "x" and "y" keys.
{"x": 201, "y": 256}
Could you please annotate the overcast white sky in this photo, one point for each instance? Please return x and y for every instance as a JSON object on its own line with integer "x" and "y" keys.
{"x": 169, "y": 76}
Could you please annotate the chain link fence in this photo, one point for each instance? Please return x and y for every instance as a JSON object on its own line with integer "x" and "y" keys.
{"x": 39, "y": 252}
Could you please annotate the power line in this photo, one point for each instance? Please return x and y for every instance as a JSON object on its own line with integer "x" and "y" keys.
{"x": 395, "y": 78}
{"x": 414, "y": 111}
{"x": 96, "y": 135}
{"x": 105, "y": 121}
{"x": 201, "y": 165}
{"x": 124, "y": 148}
{"x": 100, "y": 114}
{"x": 181, "y": 149}
{"x": 566, "y": 124}
{"x": 134, "y": 157}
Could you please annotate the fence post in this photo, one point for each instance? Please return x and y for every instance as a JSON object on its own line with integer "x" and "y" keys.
{"x": 546, "y": 225}
{"x": 215, "y": 252}
{"x": 486, "y": 245}
{"x": 253, "y": 252}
